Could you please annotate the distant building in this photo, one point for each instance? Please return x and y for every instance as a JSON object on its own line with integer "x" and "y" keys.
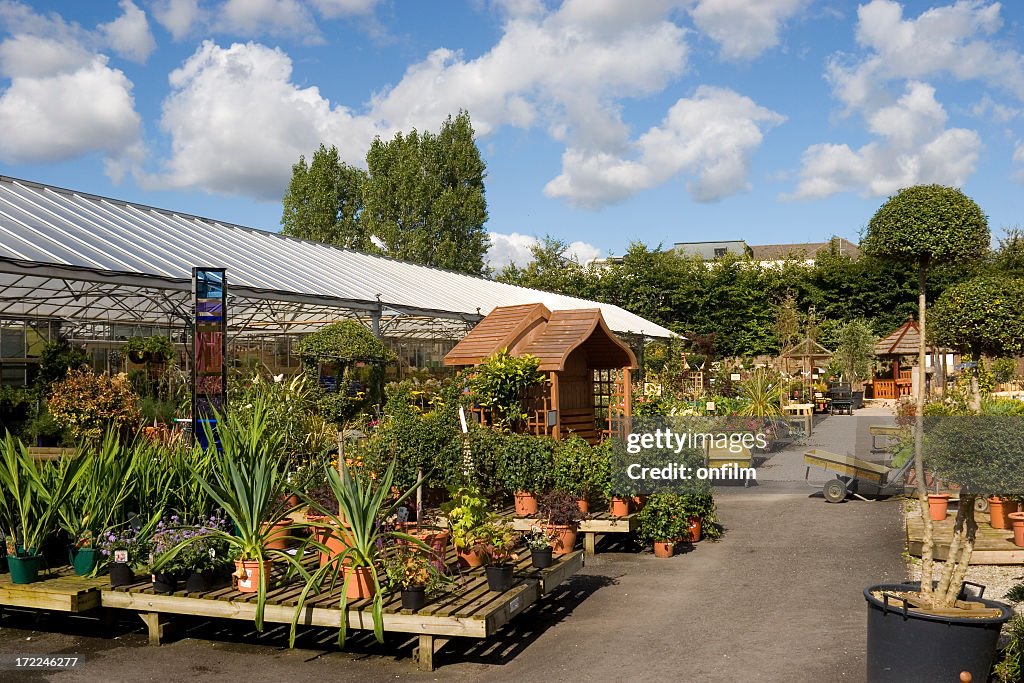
{"x": 709, "y": 251}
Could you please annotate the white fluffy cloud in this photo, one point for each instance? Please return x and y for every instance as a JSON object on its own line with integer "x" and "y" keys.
{"x": 913, "y": 147}
{"x": 709, "y": 136}
{"x": 742, "y": 28}
{"x": 237, "y": 122}
{"x": 63, "y": 99}
{"x": 129, "y": 35}
{"x": 254, "y": 18}
{"x": 515, "y": 248}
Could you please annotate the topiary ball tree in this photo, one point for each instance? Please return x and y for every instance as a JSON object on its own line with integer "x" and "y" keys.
{"x": 344, "y": 345}
{"x": 926, "y": 225}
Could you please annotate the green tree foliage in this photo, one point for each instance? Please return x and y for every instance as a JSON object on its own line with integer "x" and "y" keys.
{"x": 981, "y": 316}
{"x": 551, "y": 270}
{"x": 855, "y": 351}
{"x": 928, "y": 223}
{"x": 500, "y": 383}
{"x": 324, "y": 201}
{"x": 424, "y": 197}
{"x": 1009, "y": 257}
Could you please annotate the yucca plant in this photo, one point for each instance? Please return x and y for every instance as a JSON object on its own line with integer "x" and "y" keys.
{"x": 763, "y": 392}
{"x": 245, "y": 480}
{"x": 103, "y": 489}
{"x": 363, "y": 505}
{"x": 33, "y": 493}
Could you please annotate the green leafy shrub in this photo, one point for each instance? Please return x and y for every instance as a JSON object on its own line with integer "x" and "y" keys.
{"x": 664, "y": 519}
{"x": 577, "y": 468}
{"x": 500, "y": 383}
{"x": 526, "y": 463}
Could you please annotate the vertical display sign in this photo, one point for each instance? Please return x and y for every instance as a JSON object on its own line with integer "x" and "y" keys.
{"x": 210, "y": 370}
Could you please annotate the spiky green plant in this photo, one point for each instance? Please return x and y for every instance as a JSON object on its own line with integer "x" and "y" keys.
{"x": 763, "y": 392}
{"x": 363, "y": 505}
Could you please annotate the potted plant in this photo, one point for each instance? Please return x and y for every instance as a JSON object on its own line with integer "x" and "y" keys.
{"x": 365, "y": 503}
{"x": 562, "y": 518}
{"x": 577, "y": 470}
{"x": 32, "y": 494}
{"x": 999, "y": 510}
{"x": 104, "y": 486}
{"x": 496, "y": 541}
{"x": 198, "y": 563}
{"x": 125, "y": 550}
{"x": 699, "y": 511}
{"x": 664, "y": 522}
{"x": 467, "y": 511}
{"x": 154, "y": 349}
{"x": 414, "y": 575}
{"x": 432, "y": 534}
{"x": 525, "y": 469}
{"x": 539, "y": 543}
{"x": 245, "y": 480}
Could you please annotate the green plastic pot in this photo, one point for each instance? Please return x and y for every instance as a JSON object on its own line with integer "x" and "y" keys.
{"x": 83, "y": 559}
{"x": 25, "y": 568}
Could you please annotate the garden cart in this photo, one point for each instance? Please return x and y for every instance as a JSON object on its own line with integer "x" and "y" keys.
{"x": 856, "y": 477}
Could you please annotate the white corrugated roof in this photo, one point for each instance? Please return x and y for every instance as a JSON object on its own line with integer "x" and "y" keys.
{"x": 50, "y": 237}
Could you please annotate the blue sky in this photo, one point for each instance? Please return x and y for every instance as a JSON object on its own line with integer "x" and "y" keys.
{"x": 601, "y": 121}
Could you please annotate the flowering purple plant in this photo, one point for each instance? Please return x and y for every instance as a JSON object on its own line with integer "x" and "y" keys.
{"x": 123, "y": 545}
{"x": 179, "y": 548}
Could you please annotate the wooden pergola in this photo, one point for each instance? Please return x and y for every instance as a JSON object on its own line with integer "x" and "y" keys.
{"x": 589, "y": 368}
{"x": 805, "y": 355}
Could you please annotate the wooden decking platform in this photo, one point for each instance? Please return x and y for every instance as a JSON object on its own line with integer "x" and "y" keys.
{"x": 470, "y": 610}
{"x": 991, "y": 546}
{"x": 58, "y": 590}
{"x": 598, "y": 523}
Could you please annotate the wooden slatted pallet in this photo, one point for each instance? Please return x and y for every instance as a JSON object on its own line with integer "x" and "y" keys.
{"x": 471, "y": 610}
{"x": 58, "y": 590}
{"x": 991, "y": 546}
{"x": 599, "y": 523}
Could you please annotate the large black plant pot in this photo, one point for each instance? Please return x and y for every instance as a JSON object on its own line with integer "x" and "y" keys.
{"x": 907, "y": 646}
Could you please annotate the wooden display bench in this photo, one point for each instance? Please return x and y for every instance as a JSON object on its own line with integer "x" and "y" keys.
{"x": 59, "y": 590}
{"x": 599, "y": 523}
{"x": 991, "y": 546}
{"x": 470, "y": 611}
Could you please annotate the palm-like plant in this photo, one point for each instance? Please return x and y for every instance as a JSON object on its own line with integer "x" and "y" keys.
{"x": 363, "y": 506}
{"x": 245, "y": 480}
{"x": 763, "y": 392}
{"x": 33, "y": 493}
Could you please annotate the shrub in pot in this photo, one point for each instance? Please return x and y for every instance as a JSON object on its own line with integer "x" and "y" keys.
{"x": 562, "y": 518}
{"x": 664, "y": 522}
{"x": 467, "y": 511}
{"x": 496, "y": 542}
{"x": 579, "y": 469}
{"x": 414, "y": 574}
{"x": 525, "y": 468}
{"x": 699, "y": 504}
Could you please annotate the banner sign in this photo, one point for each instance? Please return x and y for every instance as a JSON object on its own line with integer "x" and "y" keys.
{"x": 210, "y": 370}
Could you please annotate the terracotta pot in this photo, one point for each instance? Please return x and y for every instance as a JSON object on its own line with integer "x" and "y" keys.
{"x": 664, "y": 549}
{"x": 938, "y": 504}
{"x": 619, "y": 507}
{"x": 639, "y": 501}
{"x": 1017, "y": 519}
{"x": 526, "y": 504}
{"x": 435, "y": 539}
{"x": 279, "y": 535}
{"x": 583, "y": 504}
{"x": 335, "y": 540}
{"x": 695, "y": 529}
{"x": 247, "y": 572}
{"x": 469, "y": 558}
{"x": 360, "y": 583}
{"x": 564, "y": 537}
{"x": 293, "y": 500}
{"x": 999, "y": 509}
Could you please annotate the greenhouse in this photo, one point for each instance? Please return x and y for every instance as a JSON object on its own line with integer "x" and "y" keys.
{"x": 99, "y": 271}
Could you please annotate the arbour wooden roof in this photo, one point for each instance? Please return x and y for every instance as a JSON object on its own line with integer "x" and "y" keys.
{"x": 550, "y": 336}
{"x": 905, "y": 341}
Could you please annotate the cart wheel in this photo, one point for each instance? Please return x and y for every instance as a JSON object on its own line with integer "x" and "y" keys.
{"x": 981, "y": 504}
{"x": 835, "y": 491}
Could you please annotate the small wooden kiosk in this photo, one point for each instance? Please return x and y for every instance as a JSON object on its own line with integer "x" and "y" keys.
{"x": 589, "y": 368}
{"x": 897, "y": 381}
